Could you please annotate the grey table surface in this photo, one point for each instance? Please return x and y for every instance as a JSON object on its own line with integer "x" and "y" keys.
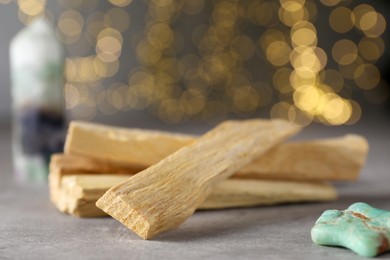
{"x": 31, "y": 228}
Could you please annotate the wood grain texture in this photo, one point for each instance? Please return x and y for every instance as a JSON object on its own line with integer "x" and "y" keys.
{"x": 78, "y": 193}
{"x": 339, "y": 158}
{"x": 62, "y": 165}
{"x": 164, "y": 195}
{"x": 72, "y": 163}
{"x": 140, "y": 148}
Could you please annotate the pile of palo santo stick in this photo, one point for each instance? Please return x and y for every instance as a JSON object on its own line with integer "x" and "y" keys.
{"x": 97, "y": 158}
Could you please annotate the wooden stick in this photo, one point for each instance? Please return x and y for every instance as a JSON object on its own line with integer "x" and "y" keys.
{"x": 140, "y": 148}
{"x": 71, "y": 163}
{"x": 338, "y": 158}
{"x": 78, "y": 193}
{"x": 245, "y": 192}
{"x": 61, "y": 165}
{"x": 164, "y": 195}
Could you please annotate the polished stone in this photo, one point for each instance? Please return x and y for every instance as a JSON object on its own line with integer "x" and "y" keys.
{"x": 361, "y": 228}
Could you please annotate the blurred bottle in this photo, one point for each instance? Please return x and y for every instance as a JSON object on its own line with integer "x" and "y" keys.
{"x": 37, "y": 63}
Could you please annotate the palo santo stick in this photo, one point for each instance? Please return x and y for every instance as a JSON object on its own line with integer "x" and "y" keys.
{"x": 245, "y": 193}
{"x": 78, "y": 193}
{"x": 328, "y": 159}
{"x": 61, "y": 165}
{"x": 140, "y": 148}
{"x": 338, "y": 158}
{"x": 164, "y": 195}
{"x": 71, "y": 163}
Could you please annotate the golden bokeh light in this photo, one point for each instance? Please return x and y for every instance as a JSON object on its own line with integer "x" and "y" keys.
{"x": 111, "y": 68}
{"x": 332, "y": 77}
{"x": 303, "y": 34}
{"x": 301, "y": 77}
{"x": 270, "y": 36}
{"x": 80, "y": 69}
{"x": 312, "y": 10}
{"x": 359, "y": 12}
{"x": 160, "y": 35}
{"x": 313, "y": 59}
{"x": 24, "y": 18}
{"x": 292, "y": 5}
{"x": 368, "y": 21}
{"x": 371, "y": 49}
{"x": 344, "y": 52}
{"x": 367, "y": 76}
{"x": 308, "y": 97}
{"x": 147, "y": 54}
{"x": 280, "y": 110}
{"x": 278, "y": 53}
{"x": 281, "y": 80}
{"x": 290, "y": 18}
{"x": 245, "y": 99}
{"x": 243, "y": 47}
{"x": 262, "y": 13}
{"x": 330, "y": 2}
{"x": 341, "y": 20}
{"x": 120, "y": 3}
{"x": 336, "y": 111}
{"x": 94, "y": 25}
{"x": 378, "y": 28}
{"x": 244, "y": 57}
{"x": 109, "y": 45}
{"x": 192, "y": 101}
{"x": 356, "y": 113}
{"x": 32, "y": 7}
{"x": 348, "y": 71}
{"x": 117, "y": 18}
{"x": 299, "y": 117}
{"x": 72, "y": 96}
{"x": 70, "y": 26}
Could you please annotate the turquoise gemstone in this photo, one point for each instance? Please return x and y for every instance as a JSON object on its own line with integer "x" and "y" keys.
{"x": 361, "y": 228}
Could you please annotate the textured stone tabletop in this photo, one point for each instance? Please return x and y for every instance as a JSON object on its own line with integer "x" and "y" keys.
{"x": 31, "y": 228}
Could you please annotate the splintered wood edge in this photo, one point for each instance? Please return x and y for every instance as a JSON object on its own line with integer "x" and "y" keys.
{"x": 113, "y": 205}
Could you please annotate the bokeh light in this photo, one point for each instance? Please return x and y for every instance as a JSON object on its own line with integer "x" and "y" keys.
{"x": 200, "y": 59}
{"x": 341, "y": 19}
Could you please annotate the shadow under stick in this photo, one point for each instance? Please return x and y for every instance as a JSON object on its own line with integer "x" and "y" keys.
{"x": 167, "y": 193}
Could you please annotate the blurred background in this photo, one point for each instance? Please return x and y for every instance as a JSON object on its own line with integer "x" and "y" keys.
{"x": 175, "y": 62}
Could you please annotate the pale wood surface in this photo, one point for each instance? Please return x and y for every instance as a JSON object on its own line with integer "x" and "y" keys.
{"x": 339, "y": 158}
{"x": 164, "y": 195}
{"x": 71, "y": 163}
{"x": 244, "y": 193}
{"x": 140, "y": 148}
{"x": 78, "y": 193}
{"x": 62, "y": 165}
